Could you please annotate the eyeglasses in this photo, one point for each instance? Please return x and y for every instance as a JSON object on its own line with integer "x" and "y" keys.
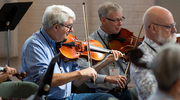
{"x": 69, "y": 26}
{"x": 117, "y": 20}
{"x": 170, "y": 27}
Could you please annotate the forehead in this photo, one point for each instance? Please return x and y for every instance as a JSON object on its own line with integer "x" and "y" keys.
{"x": 115, "y": 14}
{"x": 165, "y": 17}
{"x": 70, "y": 21}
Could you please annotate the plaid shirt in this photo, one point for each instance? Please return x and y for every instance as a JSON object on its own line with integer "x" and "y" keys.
{"x": 143, "y": 78}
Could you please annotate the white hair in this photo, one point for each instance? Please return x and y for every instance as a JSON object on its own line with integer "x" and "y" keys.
{"x": 57, "y": 14}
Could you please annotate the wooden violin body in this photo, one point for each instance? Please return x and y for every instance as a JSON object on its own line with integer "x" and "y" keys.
{"x": 124, "y": 41}
{"x": 80, "y": 49}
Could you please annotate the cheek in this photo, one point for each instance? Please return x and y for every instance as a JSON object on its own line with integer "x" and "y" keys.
{"x": 165, "y": 34}
{"x": 168, "y": 35}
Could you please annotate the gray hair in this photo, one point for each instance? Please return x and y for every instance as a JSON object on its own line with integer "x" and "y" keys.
{"x": 166, "y": 66}
{"x": 105, "y": 9}
{"x": 57, "y": 14}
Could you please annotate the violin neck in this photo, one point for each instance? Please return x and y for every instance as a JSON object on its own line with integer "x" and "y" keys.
{"x": 99, "y": 49}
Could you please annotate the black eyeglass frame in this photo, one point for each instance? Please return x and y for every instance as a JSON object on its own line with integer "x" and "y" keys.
{"x": 69, "y": 26}
{"x": 117, "y": 20}
{"x": 167, "y": 26}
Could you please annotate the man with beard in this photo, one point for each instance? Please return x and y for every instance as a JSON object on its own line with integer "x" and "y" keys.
{"x": 160, "y": 29}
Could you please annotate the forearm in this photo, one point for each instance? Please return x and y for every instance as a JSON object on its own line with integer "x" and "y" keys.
{"x": 80, "y": 81}
{"x": 101, "y": 65}
{"x": 63, "y": 78}
{"x": 2, "y": 78}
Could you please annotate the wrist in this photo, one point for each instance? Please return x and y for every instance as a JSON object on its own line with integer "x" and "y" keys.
{"x": 106, "y": 79}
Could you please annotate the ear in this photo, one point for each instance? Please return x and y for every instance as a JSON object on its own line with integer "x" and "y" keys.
{"x": 55, "y": 27}
{"x": 103, "y": 20}
{"x": 153, "y": 29}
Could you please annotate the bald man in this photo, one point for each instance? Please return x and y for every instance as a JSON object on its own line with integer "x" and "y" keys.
{"x": 160, "y": 28}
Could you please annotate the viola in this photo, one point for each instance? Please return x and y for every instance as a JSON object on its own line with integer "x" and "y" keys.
{"x": 124, "y": 41}
{"x": 20, "y": 76}
{"x": 72, "y": 49}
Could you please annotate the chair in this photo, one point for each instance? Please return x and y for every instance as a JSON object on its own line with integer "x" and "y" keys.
{"x": 17, "y": 89}
{"x": 134, "y": 94}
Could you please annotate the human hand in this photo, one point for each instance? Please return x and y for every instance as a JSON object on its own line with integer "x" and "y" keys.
{"x": 7, "y": 73}
{"x": 89, "y": 72}
{"x": 114, "y": 56}
{"x": 118, "y": 79}
{"x": 9, "y": 70}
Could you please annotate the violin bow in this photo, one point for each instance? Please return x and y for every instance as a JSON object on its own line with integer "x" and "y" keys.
{"x": 135, "y": 45}
{"x": 87, "y": 35}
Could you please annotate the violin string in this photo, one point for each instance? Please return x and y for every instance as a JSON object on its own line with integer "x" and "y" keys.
{"x": 113, "y": 64}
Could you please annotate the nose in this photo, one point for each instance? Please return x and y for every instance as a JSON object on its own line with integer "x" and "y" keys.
{"x": 71, "y": 30}
{"x": 119, "y": 23}
{"x": 174, "y": 30}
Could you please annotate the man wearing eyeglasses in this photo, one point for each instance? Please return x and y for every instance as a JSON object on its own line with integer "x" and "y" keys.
{"x": 39, "y": 49}
{"x": 110, "y": 78}
{"x": 160, "y": 29}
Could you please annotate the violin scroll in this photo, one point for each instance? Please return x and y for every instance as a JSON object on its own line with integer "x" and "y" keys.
{"x": 20, "y": 76}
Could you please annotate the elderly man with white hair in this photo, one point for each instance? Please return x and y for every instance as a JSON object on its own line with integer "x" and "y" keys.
{"x": 160, "y": 29}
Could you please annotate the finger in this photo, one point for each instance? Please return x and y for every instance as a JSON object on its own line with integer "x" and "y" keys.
{"x": 122, "y": 82}
{"x": 124, "y": 79}
{"x": 115, "y": 54}
{"x": 121, "y": 54}
{"x": 94, "y": 77}
{"x": 119, "y": 83}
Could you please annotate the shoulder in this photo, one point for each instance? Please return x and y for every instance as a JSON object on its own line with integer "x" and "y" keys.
{"x": 34, "y": 41}
{"x": 93, "y": 35}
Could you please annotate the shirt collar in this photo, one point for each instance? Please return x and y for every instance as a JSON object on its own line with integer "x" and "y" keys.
{"x": 49, "y": 40}
{"x": 102, "y": 33}
{"x": 152, "y": 43}
{"x": 47, "y": 36}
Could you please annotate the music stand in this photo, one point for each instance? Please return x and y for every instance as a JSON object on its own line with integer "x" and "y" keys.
{"x": 10, "y": 16}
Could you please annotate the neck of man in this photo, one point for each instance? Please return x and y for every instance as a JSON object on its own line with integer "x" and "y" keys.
{"x": 105, "y": 30}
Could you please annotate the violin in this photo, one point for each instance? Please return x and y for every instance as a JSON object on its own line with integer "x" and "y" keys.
{"x": 72, "y": 49}
{"x": 123, "y": 41}
{"x": 178, "y": 38}
{"x": 20, "y": 76}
